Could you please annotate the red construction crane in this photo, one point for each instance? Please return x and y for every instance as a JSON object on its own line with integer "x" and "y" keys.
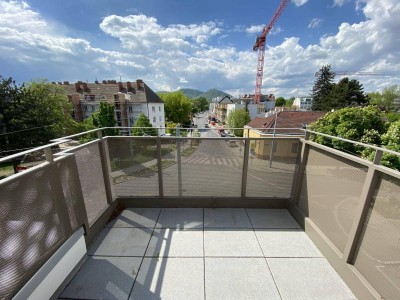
{"x": 259, "y": 46}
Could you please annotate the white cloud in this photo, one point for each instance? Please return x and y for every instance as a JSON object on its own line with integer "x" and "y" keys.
{"x": 300, "y": 2}
{"x": 141, "y": 33}
{"x": 340, "y": 2}
{"x": 254, "y": 29}
{"x": 315, "y": 23}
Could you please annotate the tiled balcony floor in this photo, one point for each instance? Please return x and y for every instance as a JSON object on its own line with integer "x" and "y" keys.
{"x": 195, "y": 253}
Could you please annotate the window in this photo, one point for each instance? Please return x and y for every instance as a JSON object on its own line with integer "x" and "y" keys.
{"x": 130, "y": 108}
{"x": 84, "y": 108}
{"x": 160, "y": 118}
{"x": 159, "y": 108}
{"x": 295, "y": 147}
{"x": 154, "y": 119}
{"x": 153, "y": 109}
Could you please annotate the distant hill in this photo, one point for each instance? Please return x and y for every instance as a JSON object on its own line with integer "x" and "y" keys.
{"x": 213, "y": 93}
{"x": 210, "y": 94}
{"x": 191, "y": 93}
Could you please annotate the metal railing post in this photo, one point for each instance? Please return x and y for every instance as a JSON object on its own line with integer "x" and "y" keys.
{"x": 245, "y": 166}
{"x": 160, "y": 168}
{"x": 362, "y": 209}
{"x": 298, "y": 177}
{"x": 178, "y": 160}
{"x": 105, "y": 166}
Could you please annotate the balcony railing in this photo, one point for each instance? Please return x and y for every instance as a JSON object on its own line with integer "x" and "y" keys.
{"x": 348, "y": 206}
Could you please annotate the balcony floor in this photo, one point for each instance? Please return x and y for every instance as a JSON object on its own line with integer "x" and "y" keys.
{"x": 195, "y": 253}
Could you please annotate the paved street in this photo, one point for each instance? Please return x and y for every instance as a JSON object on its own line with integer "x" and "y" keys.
{"x": 212, "y": 169}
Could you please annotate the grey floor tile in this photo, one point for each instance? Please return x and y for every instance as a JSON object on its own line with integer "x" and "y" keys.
{"x": 225, "y": 243}
{"x": 226, "y": 218}
{"x": 103, "y": 278}
{"x": 167, "y": 242}
{"x": 307, "y": 278}
{"x": 271, "y": 218}
{"x": 170, "y": 278}
{"x": 286, "y": 243}
{"x": 136, "y": 217}
{"x": 181, "y": 218}
{"x": 238, "y": 278}
{"x": 121, "y": 242}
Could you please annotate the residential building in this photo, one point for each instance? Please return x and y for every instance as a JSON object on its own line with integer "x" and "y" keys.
{"x": 221, "y": 107}
{"x": 130, "y": 99}
{"x": 303, "y": 103}
{"x": 282, "y": 123}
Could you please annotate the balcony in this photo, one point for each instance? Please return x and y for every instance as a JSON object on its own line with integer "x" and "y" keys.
{"x": 192, "y": 218}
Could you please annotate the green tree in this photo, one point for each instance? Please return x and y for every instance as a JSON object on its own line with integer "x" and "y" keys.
{"x": 280, "y": 101}
{"x": 385, "y": 99}
{"x": 105, "y": 117}
{"x": 143, "y": 121}
{"x": 237, "y": 119}
{"x": 290, "y": 101}
{"x": 322, "y": 90}
{"x": 390, "y": 140}
{"x": 177, "y": 107}
{"x": 32, "y": 114}
{"x": 353, "y": 123}
{"x": 347, "y": 93}
{"x": 201, "y": 104}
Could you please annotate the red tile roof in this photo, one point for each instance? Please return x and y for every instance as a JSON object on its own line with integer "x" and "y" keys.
{"x": 286, "y": 119}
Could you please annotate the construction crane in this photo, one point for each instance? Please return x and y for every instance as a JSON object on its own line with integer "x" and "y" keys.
{"x": 259, "y": 46}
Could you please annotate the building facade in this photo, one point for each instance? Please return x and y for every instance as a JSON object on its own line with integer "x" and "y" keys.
{"x": 284, "y": 123}
{"x": 130, "y": 99}
{"x": 303, "y": 103}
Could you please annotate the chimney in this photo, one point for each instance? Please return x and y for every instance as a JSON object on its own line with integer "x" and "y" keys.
{"x": 85, "y": 87}
{"x": 120, "y": 86}
{"x": 139, "y": 83}
{"x": 77, "y": 86}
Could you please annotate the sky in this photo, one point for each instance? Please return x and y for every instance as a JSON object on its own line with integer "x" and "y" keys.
{"x": 174, "y": 44}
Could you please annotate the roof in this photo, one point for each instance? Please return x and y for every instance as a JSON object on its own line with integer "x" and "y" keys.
{"x": 286, "y": 119}
{"x": 139, "y": 91}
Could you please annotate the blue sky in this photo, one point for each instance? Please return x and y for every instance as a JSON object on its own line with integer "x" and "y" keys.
{"x": 173, "y": 44}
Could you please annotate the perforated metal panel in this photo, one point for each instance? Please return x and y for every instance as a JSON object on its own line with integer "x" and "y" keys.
{"x": 266, "y": 179}
{"x": 378, "y": 255}
{"x": 90, "y": 171}
{"x": 33, "y": 224}
{"x": 330, "y": 193}
{"x": 73, "y": 196}
{"x": 134, "y": 170}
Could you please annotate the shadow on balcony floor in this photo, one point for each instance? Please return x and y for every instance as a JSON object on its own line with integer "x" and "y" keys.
{"x": 196, "y": 253}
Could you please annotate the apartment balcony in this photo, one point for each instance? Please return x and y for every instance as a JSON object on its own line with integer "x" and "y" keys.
{"x": 195, "y": 218}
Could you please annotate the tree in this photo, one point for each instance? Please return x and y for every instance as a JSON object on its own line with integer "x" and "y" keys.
{"x": 33, "y": 114}
{"x": 322, "y": 90}
{"x": 237, "y": 119}
{"x": 177, "y": 107}
{"x": 290, "y": 101}
{"x": 280, "y": 101}
{"x": 105, "y": 117}
{"x": 347, "y": 93}
{"x": 385, "y": 99}
{"x": 143, "y": 121}
{"x": 353, "y": 123}
{"x": 199, "y": 105}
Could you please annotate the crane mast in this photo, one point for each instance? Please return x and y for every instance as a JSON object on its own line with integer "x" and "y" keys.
{"x": 259, "y": 46}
